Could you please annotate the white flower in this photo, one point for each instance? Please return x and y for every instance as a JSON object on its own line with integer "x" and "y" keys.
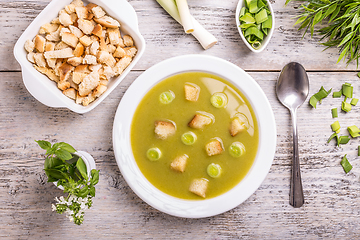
{"x": 71, "y": 218}
{"x": 62, "y": 200}
{"x": 79, "y": 200}
{"x": 71, "y": 198}
{"x": 57, "y": 200}
{"x": 53, "y": 207}
{"x": 82, "y": 206}
{"x": 69, "y": 212}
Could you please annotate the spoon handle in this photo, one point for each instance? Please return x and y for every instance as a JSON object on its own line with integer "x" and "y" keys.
{"x": 296, "y": 190}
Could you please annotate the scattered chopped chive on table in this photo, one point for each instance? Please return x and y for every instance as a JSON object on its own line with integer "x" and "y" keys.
{"x": 319, "y": 96}
{"x": 354, "y": 101}
{"x": 345, "y": 164}
{"x": 354, "y": 131}
{"x": 334, "y": 112}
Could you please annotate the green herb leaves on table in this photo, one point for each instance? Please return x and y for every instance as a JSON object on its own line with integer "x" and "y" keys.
{"x": 340, "y": 22}
{"x": 256, "y": 21}
{"x": 69, "y": 171}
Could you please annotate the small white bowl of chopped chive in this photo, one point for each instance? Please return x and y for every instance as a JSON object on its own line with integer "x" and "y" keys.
{"x": 255, "y": 21}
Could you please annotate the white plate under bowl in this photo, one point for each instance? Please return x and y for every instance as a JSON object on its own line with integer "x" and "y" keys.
{"x": 266, "y": 40}
{"x": 45, "y": 90}
{"x": 193, "y": 208}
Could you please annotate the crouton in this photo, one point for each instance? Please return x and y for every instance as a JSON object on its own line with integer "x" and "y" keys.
{"x": 40, "y": 60}
{"x": 192, "y": 92}
{"x": 29, "y": 46}
{"x": 130, "y": 51}
{"x": 39, "y": 42}
{"x": 48, "y": 72}
{"x": 179, "y": 163}
{"x": 30, "y": 57}
{"x": 98, "y": 12}
{"x": 63, "y": 85}
{"x": 214, "y": 147}
{"x": 119, "y": 52}
{"x": 97, "y": 31}
{"x": 65, "y": 18}
{"x": 122, "y": 64}
{"x": 78, "y": 3}
{"x": 85, "y": 25}
{"x": 114, "y": 36}
{"x": 48, "y": 28}
{"x": 81, "y": 12}
{"x": 111, "y": 48}
{"x": 94, "y": 48}
{"x": 64, "y": 30}
{"x": 103, "y": 45}
{"x": 88, "y": 99}
{"x": 199, "y": 186}
{"x": 199, "y": 121}
{"x": 86, "y": 40}
{"x": 236, "y": 126}
{"x": 95, "y": 67}
{"x": 107, "y": 21}
{"x": 108, "y": 72}
{"x": 51, "y": 62}
{"x": 77, "y": 77}
{"x": 49, "y": 46}
{"x": 65, "y": 71}
{"x": 89, "y": 59}
{"x": 54, "y": 36}
{"x": 128, "y": 41}
{"x": 70, "y": 8}
{"x": 164, "y": 129}
{"x": 63, "y": 53}
{"x": 75, "y": 61}
{"x": 70, "y": 93}
{"x": 76, "y": 31}
{"x": 79, "y": 50}
{"x": 90, "y": 82}
{"x": 100, "y": 89}
{"x": 55, "y": 21}
{"x": 82, "y": 69}
{"x": 74, "y": 18}
{"x": 90, "y": 6}
{"x": 59, "y": 62}
{"x": 106, "y": 58}
{"x": 70, "y": 39}
{"x": 61, "y": 45}
{"x": 79, "y": 99}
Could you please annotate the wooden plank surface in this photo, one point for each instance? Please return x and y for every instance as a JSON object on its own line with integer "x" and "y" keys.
{"x": 331, "y": 209}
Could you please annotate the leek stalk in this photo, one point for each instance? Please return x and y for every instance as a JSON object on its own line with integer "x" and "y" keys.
{"x": 185, "y": 15}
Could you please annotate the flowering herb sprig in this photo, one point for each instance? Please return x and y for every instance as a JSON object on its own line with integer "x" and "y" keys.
{"x": 69, "y": 171}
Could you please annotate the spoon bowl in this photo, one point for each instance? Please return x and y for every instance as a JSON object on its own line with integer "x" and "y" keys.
{"x": 292, "y": 90}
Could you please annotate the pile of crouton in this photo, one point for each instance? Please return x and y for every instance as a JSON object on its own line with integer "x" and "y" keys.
{"x": 165, "y": 129}
{"x": 81, "y": 50}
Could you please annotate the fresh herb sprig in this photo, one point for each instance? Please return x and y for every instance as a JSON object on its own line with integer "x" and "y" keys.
{"x": 341, "y": 19}
{"x": 69, "y": 171}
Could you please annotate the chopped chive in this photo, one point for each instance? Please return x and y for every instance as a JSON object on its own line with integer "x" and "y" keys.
{"x": 354, "y": 101}
{"x": 358, "y": 150}
{"x": 343, "y": 140}
{"x": 347, "y": 90}
{"x": 332, "y": 136}
{"x": 345, "y": 164}
{"x": 334, "y": 112}
{"x": 319, "y": 96}
{"x": 346, "y": 107}
{"x": 335, "y": 126}
{"x": 358, "y": 74}
{"x": 337, "y": 94}
{"x": 354, "y": 131}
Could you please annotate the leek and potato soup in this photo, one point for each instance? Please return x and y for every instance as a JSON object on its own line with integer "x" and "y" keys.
{"x": 194, "y": 136}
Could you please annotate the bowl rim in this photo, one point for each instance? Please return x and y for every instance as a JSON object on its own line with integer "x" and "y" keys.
{"x": 193, "y": 208}
{"x": 45, "y": 90}
{"x": 266, "y": 41}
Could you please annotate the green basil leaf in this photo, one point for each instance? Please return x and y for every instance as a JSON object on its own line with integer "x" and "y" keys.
{"x": 54, "y": 174}
{"x": 94, "y": 176}
{"x": 66, "y": 147}
{"x": 80, "y": 165}
{"x": 63, "y": 155}
{"x": 44, "y": 144}
{"x": 53, "y": 162}
{"x": 92, "y": 191}
{"x": 84, "y": 192}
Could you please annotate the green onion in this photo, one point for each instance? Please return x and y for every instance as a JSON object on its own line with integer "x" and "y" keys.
{"x": 335, "y": 126}
{"x": 334, "y": 112}
{"x": 345, "y": 164}
{"x": 261, "y": 16}
{"x": 267, "y": 24}
{"x": 188, "y": 138}
{"x": 332, "y": 136}
{"x": 256, "y": 45}
{"x": 347, "y": 90}
{"x": 342, "y": 140}
{"x": 253, "y": 6}
{"x": 218, "y": 100}
{"x": 242, "y": 11}
{"x": 354, "y": 101}
{"x": 236, "y": 149}
{"x": 337, "y": 94}
{"x": 247, "y": 18}
{"x": 153, "y": 154}
{"x": 354, "y": 131}
{"x": 254, "y": 31}
{"x": 214, "y": 170}
{"x": 346, "y": 107}
{"x": 167, "y": 97}
{"x": 319, "y": 96}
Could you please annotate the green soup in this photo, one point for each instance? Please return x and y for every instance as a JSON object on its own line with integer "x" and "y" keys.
{"x": 181, "y": 111}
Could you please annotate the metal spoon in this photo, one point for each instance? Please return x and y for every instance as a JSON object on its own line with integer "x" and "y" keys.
{"x": 292, "y": 90}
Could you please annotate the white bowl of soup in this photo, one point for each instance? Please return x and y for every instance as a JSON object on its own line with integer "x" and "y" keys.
{"x": 194, "y": 136}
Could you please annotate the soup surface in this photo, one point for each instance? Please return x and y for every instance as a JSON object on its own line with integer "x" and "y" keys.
{"x": 181, "y": 111}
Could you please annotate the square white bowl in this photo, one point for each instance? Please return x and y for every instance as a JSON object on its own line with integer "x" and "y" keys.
{"x": 45, "y": 90}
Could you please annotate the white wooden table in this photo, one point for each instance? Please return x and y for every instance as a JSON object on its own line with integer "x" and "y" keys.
{"x": 331, "y": 208}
